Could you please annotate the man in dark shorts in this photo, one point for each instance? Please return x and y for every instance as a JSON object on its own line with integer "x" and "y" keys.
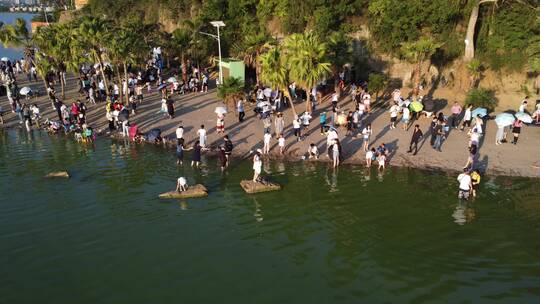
{"x": 228, "y": 147}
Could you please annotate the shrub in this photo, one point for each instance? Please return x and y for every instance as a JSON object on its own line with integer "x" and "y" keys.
{"x": 377, "y": 83}
{"x": 482, "y": 98}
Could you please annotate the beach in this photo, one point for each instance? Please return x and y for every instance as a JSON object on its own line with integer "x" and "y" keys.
{"x": 194, "y": 109}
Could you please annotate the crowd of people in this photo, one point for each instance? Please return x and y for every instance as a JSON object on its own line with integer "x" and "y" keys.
{"x": 122, "y": 94}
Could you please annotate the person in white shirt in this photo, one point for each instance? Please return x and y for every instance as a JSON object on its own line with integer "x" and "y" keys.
{"x": 369, "y": 157}
{"x": 296, "y": 128}
{"x": 467, "y": 117}
{"x": 181, "y": 184}
{"x": 367, "y": 102}
{"x": 281, "y": 144}
{"x": 202, "y": 136}
{"x": 240, "y": 109}
{"x": 405, "y": 118}
{"x": 179, "y": 133}
{"x": 394, "y": 110}
{"x": 257, "y": 165}
{"x": 465, "y": 185}
{"x": 266, "y": 140}
{"x": 331, "y": 136}
{"x": 366, "y": 134}
{"x": 306, "y": 117}
{"x": 523, "y": 106}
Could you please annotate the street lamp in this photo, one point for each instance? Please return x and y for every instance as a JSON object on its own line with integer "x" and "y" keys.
{"x": 217, "y": 24}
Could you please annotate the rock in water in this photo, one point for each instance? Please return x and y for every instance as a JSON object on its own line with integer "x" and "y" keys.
{"x": 192, "y": 192}
{"x": 61, "y": 174}
{"x": 256, "y": 187}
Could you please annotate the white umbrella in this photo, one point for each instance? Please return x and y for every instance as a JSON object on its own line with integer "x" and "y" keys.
{"x": 25, "y": 91}
{"x": 504, "y": 119}
{"x": 172, "y": 80}
{"x": 4, "y": 59}
{"x": 220, "y": 110}
{"x": 267, "y": 92}
{"x": 524, "y": 117}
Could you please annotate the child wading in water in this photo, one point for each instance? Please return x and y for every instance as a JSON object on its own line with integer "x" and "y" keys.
{"x": 281, "y": 143}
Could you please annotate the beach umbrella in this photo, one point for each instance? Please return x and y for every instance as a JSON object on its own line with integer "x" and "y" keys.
{"x": 504, "y": 119}
{"x": 479, "y": 112}
{"x": 162, "y": 86}
{"x": 524, "y": 117}
{"x": 429, "y": 105}
{"x": 267, "y": 92}
{"x": 25, "y": 91}
{"x": 416, "y": 106}
{"x": 123, "y": 115}
{"x": 154, "y": 134}
{"x": 220, "y": 110}
{"x": 172, "y": 80}
{"x": 5, "y": 59}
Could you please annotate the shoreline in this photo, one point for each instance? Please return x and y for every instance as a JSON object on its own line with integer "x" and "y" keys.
{"x": 291, "y": 157}
{"x": 195, "y": 109}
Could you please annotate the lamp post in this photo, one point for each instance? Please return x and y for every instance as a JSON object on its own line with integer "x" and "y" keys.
{"x": 218, "y": 24}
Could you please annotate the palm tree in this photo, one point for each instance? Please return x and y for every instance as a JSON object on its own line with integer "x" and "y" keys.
{"x": 181, "y": 40}
{"x": 417, "y": 52}
{"x": 274, "y": 71}
{"x": 307, "y": 61}
{"x": 119, "y": 51}
{"x": 339, "y": 51}
{"x": 43, "y": 66}
{"x": 93, "y": 33}
{"x": 231, "y": 89}
{"x": 251, "y": 48}
{"x": 474, "y": 67}
{"x": 17, "y": 35}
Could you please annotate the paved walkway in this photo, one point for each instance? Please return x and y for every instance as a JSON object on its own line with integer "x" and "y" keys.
{"x": 195, "y": 109}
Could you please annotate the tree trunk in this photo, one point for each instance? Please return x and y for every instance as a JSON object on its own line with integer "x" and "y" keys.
{"x": 97, "y": 54}
{"x": 45, "y": 83}
{"x": 416, "y": 81}
{"x": 257, "y": 68}
{"x": 62, "y": 85}
{"x": 120, "y": 83}
{"x": 184, "y": 68}
{"x": 288, "y": 95}
{"x": 308, "y": 101}
{"x": 127, "y": 84}
{"x": 471, "y": 28}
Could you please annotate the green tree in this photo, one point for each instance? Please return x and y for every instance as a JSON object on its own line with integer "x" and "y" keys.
{"x": 94, "y": 33}
{"x": 231, "y": 89}
{"x": 251, "y": 48}
{"x": 474, "y": 68}
{"x": 307, "y": 61}
{"x": 17, "y": 36}
{"x": 482, "y": 98}
{"x": 417, "y": 53}
{"x": 275, "y": 73}
{"x": 181, "y": 41}
{"x": 377, "y": 83}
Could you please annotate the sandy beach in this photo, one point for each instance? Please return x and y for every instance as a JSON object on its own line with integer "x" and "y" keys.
{"x": 194, "y": 109}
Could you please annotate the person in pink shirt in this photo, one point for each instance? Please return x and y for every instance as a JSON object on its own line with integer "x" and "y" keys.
{"x": 456, "y": 110}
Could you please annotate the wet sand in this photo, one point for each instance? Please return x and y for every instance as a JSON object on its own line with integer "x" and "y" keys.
{"x": 194, "y": 109}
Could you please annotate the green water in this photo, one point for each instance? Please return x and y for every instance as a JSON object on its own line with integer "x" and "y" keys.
{"x": 346, "y": 237}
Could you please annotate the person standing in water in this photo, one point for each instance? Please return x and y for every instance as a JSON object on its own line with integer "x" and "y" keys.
{"x": 266, "y": 140}
{"x": 197, "y": 149}
{"x": 465, "y": 185}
